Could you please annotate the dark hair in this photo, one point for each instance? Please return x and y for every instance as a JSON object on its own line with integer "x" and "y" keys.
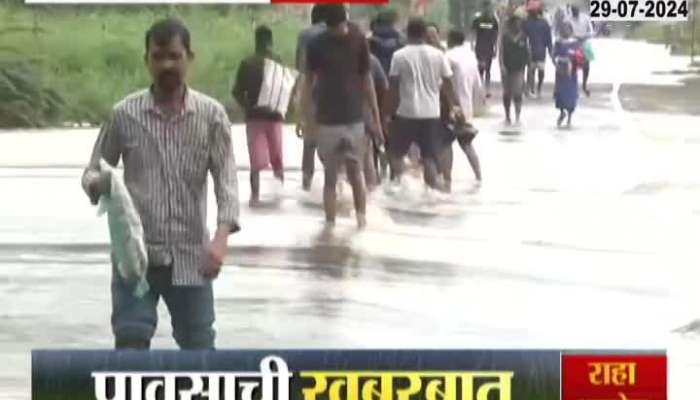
{"x": 416, "y": 28}
{"x": 390, "y": 16}
{"x": 336, "y": 14}
{"x": 164, "y": 30}
{"x": 318, "y": 13}
{"x": 263, "y": 37}
{"x": 514, "y": 25}
{"x": 575, "y": 11}
{"x": 373, "y": 23}
{"x": 455, "y": 38}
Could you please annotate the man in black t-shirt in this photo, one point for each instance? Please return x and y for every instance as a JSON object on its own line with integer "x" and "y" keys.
{"x": 485, "y": 28}
{"x": 339, "y": 68}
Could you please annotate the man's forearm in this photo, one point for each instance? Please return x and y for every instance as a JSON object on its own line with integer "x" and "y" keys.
{"x": 305, "y": 98}
{"x": 240, "y": 99}
{"x": 223, "y": 231}
{"x": 448, "y": 88}
{"x": 393, "y": 100}
{"x": 371, "y": 97}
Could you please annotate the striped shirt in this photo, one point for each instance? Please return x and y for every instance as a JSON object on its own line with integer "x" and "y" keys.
{"x": 166, "y": 160}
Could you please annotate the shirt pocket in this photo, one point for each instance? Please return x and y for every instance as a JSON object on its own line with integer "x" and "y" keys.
{"x": 194, "y": 156}
{"x": 134, "y": 150}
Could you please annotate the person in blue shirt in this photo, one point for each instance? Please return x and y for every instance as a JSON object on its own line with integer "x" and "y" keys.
{"x": 539, "y": 35}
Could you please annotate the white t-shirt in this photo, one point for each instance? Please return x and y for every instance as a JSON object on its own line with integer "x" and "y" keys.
{"x": 465, "y": 78}
{"x": 581, "y": 26}
{"x": 420, "y": 70}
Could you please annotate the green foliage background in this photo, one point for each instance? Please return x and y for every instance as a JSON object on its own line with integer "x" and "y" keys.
{"x": 71, "y": 63}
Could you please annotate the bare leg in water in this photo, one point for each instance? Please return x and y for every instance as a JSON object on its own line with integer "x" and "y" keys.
{"x": 447, "y": 162}
{"x": 330, "y": 197}
{"x": 540, "y": 79}
{"x": 357, "y": 182}
{"x": 430, "y": 173}
{"x": 518, "y": 101}
{"x": 254, "y": 187}
{"x": 562, "y": 115}
{"x": 506, "y": 107}
{"x": 308, "y": 163}
{"x": 329, "y": 191}
{"x": 473, "y": 159}
{"x": 586, "y": 72}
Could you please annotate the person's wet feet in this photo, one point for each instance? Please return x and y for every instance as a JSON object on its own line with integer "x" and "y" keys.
{"x": 560, "y": 120}
{"x": 326, "y": 233}
{"x": 588, "y": 92}
{"x": 306, "y": 184}
{"x": 254, "y": 202}
{"x": 361, "y": 221}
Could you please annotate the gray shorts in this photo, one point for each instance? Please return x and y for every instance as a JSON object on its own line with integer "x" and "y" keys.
{"x": 538, "y": 64}
{"x": 341, "y": 143}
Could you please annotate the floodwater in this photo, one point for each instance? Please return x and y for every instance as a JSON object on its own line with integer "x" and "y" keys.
{"x": 582, "y": 238}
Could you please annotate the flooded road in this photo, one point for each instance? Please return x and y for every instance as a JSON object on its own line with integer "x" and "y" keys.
{"x": 582, "y": 238}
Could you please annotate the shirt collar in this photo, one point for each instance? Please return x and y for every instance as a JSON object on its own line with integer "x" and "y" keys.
{"x": 189, "y": 103}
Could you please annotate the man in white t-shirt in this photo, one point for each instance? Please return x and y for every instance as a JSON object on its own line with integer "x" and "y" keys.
{"x": 469, "y": 90}
{"x": 583, "y": 31}
{"x": 418, "y": 73}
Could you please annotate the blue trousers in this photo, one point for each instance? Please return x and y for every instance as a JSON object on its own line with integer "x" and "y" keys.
{"x": 134, "y": 320}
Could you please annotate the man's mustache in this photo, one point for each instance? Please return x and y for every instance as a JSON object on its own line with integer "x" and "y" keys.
{"x": 169, "y": 74}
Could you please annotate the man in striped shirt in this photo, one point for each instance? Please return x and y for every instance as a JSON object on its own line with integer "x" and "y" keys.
{"x": 168, "y": 138}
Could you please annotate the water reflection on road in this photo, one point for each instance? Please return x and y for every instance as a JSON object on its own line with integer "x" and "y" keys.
{"x": 578, "y": 239}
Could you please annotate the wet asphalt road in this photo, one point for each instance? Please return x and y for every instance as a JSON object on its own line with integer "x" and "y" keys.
{"x": 582, "y": 238}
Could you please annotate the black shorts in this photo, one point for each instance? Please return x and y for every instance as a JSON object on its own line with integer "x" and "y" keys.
{"x": 426, "y": 133}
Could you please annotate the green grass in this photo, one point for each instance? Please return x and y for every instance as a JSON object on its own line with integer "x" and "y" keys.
{"x": 680, "y": 36}
{"x": 93, "y": 56}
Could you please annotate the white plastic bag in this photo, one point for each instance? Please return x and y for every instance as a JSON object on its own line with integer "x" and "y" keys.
{"x": 277, "y": 86}
{"x": 125, "y": 232}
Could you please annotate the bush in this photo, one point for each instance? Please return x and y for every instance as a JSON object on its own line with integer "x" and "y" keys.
{"x": 25, "y": 102}
{"x": 93, "y": 55}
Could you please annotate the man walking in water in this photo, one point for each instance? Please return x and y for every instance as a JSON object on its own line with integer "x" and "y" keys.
{"x": 307, "y": 129}
{"x": 467, "y": 85}
{"x": 485, "y": 27}
{"x": 539, "y": 35}
{"x": 418, "y": 73}
{"x": 339, "y": 71}
{"x": 374, "y": 163}
{"x": 169, "y": 137}
{"x": 583, "y": 31}
{"x": 514, "y": 57}
{"x": 263, "y": 125}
